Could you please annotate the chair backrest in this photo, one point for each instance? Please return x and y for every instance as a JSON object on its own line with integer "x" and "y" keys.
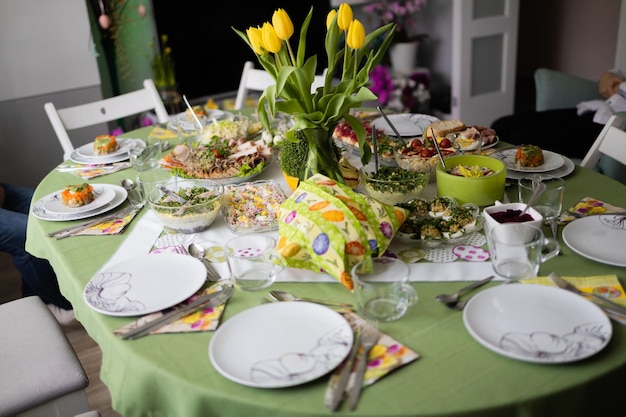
{"x": 611, "y": 142}
{"x": 102, "y": 111}
{"x": 253, "y": 79}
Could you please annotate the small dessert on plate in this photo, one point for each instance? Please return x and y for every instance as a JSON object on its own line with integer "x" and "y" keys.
{"x": 529, "y": 156}
{"x": 104, "y": 144}
{"x": 77, "y": 195}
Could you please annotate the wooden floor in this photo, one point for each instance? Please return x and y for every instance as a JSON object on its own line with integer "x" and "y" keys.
{"x": 87, "y": 350}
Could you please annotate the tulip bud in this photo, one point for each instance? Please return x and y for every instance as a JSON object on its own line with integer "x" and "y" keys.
{"x": 282, "y": 24}
{"x": 104, "y": 21}
{"x": 330, "y": 17}
{"x": 356, "y": 35}
{"x": 271, "y": 42}
{"x": 141, "y": 10}
{"x": 256, "y": 39}
{"x": 345, "y": 16}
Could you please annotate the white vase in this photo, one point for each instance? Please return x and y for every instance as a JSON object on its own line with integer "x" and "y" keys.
{"x": 403, "y": 57}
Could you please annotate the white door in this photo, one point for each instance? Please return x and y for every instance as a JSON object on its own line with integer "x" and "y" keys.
{"x": 484, "y": 55}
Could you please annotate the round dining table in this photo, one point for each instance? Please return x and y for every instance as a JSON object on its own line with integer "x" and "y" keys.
{"x": 169, "y": 375}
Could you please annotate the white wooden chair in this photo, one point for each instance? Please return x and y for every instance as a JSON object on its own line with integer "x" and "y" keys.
{"x": 611, "y": 142}
{"x": 254, "y": 79}
{"x": 102, "y": 111}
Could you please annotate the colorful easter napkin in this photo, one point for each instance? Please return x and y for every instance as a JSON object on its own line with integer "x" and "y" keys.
{"x": 587, "y": 207}
{"x": 607, "y": 286}
{"x": 327, "y": 226}
{"x": 110, "y": 227}
{"x": 199, "y": 321}
{"x": 388, "y": 354}
{"x": 93, "y": 170}
{"x": 158, "y": 132}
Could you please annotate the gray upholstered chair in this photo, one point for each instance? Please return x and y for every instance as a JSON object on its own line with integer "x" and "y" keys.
{"x": 40, "y": 375}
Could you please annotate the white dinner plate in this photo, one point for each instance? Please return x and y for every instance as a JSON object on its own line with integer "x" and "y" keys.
{"x": 537, "y": 323}
{"x": 407, "y": 124}
{"x": 86, "y": 151}
{"x": 144, "y": 284}
{"x": 41, "y": 213}
{"x": 102, "y": 195}
{"x": 600, "y": 238}
{"x": 104, "y": 159}
{"x": 565, "y": 169}
{"x": 280, "y": 344}
{"x": 551, "y": 161}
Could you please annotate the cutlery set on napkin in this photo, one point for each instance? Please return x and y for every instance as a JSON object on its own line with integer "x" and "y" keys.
{"x": 110, "y": 224}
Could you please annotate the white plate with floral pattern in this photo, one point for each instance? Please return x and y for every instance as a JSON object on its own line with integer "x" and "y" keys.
{"x": 537, "y": 323}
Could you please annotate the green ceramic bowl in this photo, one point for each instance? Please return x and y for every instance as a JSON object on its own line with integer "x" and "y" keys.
{"x": 483, "y": 191}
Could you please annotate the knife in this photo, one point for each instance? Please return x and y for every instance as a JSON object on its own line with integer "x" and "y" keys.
{"x": 213, "y": 299}
{"x": 338, "y": 383}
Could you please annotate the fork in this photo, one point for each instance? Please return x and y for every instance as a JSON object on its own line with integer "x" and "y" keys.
{"x": 608, "y": 305}
{"x": 369, "y": 337}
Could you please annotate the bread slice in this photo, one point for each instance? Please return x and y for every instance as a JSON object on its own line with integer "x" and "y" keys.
{"x": 442, "y": 127}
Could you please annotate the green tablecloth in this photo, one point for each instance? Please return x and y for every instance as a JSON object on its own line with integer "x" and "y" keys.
{"x": 171, "y": 375}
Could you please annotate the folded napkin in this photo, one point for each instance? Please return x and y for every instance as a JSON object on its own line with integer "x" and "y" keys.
{"x": 93, "y": 170}
{"x": 587, "y": 207}
{"x": 204, "y": 320}
{"x": 388, "y": 354}
{"x": 160, "y": 133}
{"x": 112, "y": 226}
{"x": 607, "y": 286}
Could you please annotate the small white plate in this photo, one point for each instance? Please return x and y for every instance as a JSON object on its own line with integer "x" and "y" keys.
{"x": 551, "y": 161}
{"x": 102, "y": 195}
{"x": 280, "y": 344}
{"x": 600, "y": 238}
{"x": 104, "y": 159}
{"x": 537, "y": 323}
{"x": 86, "y": 151}
{"x": 407, "y": 124}
{"x": 144, "y": 284}
{"x": 566, "y": 169}
{"x": 40, "y": 212}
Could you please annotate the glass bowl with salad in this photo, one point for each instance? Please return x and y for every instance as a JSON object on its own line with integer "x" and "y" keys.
{"x": 392, "y": 184}
{"x": 201, "y": 206}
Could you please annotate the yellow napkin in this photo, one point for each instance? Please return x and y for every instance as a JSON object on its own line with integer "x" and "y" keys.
{"x": 388, "y": 354}
{"x": 158, "y": 132}
{"x": 204, "y": 320}
{"x": 586, "y": 207}
{"x": 110, "y": 227}
{"x": 607, "y": 286}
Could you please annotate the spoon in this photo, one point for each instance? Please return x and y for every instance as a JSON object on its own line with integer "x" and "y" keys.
{"x": 131, "y": 188}
{"x": 443, "y": 163}
{"x": 171, "y": 194}
{"x": 380, "y": 110}
{"x": 285, "y": 296}
{"x": 539, "y": 189}
{"x": 198, "y": 252}
{"x": 451, "y": 300}
{"x": 193, "y": 113}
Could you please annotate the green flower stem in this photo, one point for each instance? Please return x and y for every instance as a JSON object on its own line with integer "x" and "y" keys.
{"x": 322, "y": 157}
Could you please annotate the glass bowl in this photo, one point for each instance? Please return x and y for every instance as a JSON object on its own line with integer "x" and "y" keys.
{"x": 231, "y": 128}
{"x": 253, "y": 206}
{"x": 204, "y": 201}
{"x": 393, "y": 185}
{"x": 414, "y": 156}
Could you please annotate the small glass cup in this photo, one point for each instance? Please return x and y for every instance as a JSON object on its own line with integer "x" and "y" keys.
{"x": 143, "y": 158}
{"x": 550, "y": 202}
{"x": 148, "y": 180}
{"x": 253, "y": 261}
{"x": 518, "y": 250}
{"x": 381, "y": 287}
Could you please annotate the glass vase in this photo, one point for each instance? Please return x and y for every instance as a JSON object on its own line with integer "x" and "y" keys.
{"x": 323, "y": 155}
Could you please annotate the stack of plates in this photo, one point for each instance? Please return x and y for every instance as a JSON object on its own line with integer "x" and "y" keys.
{"x": 106, "y": 197}
{"x": 554, "y": 165}
{"x": 85, "y": 154}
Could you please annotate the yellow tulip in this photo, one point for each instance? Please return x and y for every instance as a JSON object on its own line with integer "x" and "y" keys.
{"x": 256, "y": 39}
{"x": 356, "y": 35}
{"x": 282, "y": 24}
{"x": 330, "y": 17}
{"x": 345, "y": 16}
{"x": 271, "y": 42}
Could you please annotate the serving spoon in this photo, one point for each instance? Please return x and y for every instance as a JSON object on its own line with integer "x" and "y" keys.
{"x": 285, "y": 296}
{"x": 198, "y": 252}
{"x": 171, "y": 194}
{"x": 539, "y": 189}
{"x": 131, "y": 188}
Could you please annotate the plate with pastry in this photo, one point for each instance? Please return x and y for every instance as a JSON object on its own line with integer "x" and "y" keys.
{"x": 407, "y": 124}
{"x": 103, "y": 146}
{"x": 530, "y": 158}
{"x": 39, "y": 207}
{"x": 78, "y": 198}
